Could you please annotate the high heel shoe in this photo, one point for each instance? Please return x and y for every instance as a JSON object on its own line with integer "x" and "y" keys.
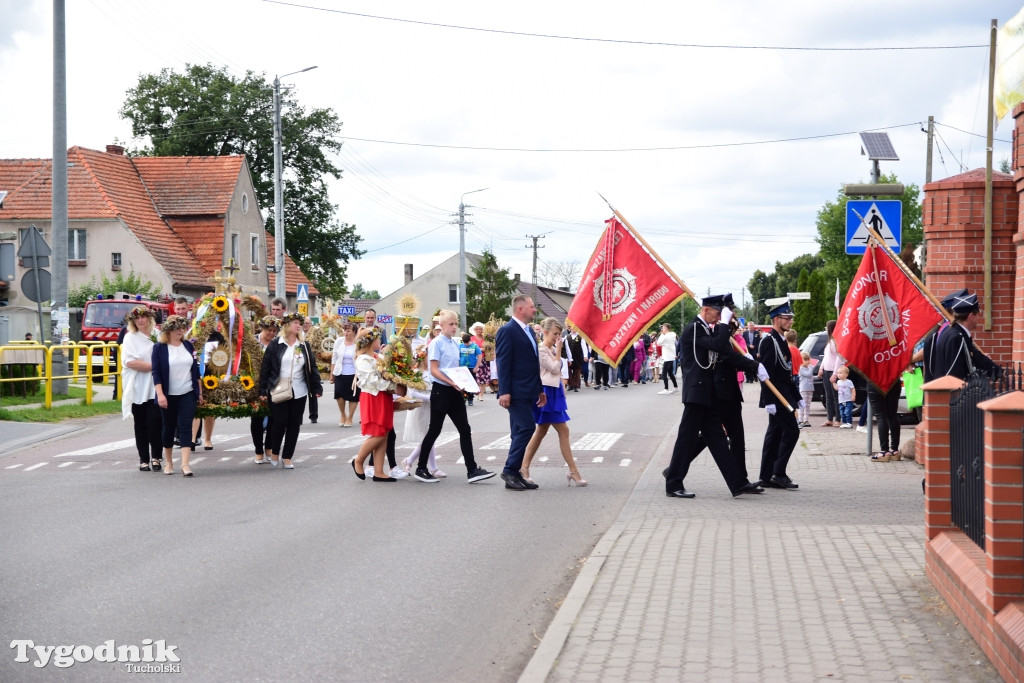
{"x": 574, "y": 479}
{"x": 185, "y": 473}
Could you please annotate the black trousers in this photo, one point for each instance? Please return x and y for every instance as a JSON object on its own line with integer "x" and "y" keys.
{"x": 701, "y": 424}
{"x": 446, "y": 401}
{"x": 668, "y": 370}
{"x": 260, "y": 429}
{"x": 600, "y": 374}
{"x": 625, "y": 373}
{"x": 779, "y": 441}
{"x": 731, "y": 413}
{"x": 314, "y": 412}
{"x": 148, "y": 426}
{"x": 885, "y": 409}
{"x": 285, "y": 420}
{"x": 389, "y": 448}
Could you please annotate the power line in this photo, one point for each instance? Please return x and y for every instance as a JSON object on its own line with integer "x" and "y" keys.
{"x": 628, "y": 149}
{"x": 621, "y": 41}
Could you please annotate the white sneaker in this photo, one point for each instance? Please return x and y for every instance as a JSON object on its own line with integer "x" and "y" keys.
{"x": 663, "y": 392}
{"x": 846, "y": 425}
{"x": 862, "y": 429}
{"x": 398, "y": 473}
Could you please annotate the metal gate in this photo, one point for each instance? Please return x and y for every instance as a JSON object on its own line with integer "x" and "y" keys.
{"x": 967, "y": 457}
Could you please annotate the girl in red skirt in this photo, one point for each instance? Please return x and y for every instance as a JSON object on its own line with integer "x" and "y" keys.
{"x": 376, "y": 405}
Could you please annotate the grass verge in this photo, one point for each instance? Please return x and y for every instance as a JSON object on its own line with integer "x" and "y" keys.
{"x": 61, "y": 413}
{"x": 73, "y": 392}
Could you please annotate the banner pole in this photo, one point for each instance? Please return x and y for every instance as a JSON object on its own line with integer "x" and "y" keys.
{"x": 906, "y": 271}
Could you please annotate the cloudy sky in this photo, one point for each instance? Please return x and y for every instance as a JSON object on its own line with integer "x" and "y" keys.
{"x": 719, "y": 154}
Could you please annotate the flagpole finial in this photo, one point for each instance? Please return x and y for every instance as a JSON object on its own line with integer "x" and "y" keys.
{"x": 606, "y": 201}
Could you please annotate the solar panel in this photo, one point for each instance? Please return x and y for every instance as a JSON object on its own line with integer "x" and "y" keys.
{"x": 877, "y": 146}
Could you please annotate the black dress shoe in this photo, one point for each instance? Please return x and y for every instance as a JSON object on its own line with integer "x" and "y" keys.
{"x": 783, "y": 483}
{"x": 528, "y": 485}
{"x": 664, "y": 473}
{"x": 681, "y": 493}
{"x": 747, "y": 488}
{"x": 513, "y": 482}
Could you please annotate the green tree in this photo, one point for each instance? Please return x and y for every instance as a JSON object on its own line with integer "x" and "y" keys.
{"x": 489, "y": 288}
{"x": 831, "y": 225}
{"x": 129, "y": 283}
{"x": 761, "y": 286}
{"x": 206, "y": 111}
{"x": 359, "y": 293}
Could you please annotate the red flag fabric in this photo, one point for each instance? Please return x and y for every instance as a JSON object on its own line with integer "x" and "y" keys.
{"x": 881, "y": 290}
{"x": 625, "y": 288}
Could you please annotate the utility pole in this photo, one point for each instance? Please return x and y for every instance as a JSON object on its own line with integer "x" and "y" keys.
{"x": 462, "y": 257}
{"x": 928, "y": 156}
{"x": 279, "y": 283}
{"x": 533, "y": 290}
{"x": 59, "y": 199}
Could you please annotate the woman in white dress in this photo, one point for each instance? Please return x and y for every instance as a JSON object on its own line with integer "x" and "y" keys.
{"x": 138, "y": 397}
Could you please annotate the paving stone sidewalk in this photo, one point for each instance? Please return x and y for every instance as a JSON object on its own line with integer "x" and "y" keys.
{"x": 824, "y": 583}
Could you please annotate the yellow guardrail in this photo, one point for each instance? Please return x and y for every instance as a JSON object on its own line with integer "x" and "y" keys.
{"x": 96, "y": 360}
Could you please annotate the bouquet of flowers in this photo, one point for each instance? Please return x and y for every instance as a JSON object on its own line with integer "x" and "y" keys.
{"x": 396, "y": 364}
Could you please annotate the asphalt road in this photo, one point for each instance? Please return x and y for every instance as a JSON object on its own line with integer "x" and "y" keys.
{"x": 261, "y": 574}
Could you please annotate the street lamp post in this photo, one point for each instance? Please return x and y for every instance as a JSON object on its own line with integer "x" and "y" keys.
{"x": 462, "y": 257}
{"x": 279, "y": 284}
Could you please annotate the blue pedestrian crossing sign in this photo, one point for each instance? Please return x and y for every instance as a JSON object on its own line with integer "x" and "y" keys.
{"x": 885, "y": 216}
{"x": 302, "y": 293}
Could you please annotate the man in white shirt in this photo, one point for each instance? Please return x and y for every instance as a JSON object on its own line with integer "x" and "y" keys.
{"x": 667, "y": 344}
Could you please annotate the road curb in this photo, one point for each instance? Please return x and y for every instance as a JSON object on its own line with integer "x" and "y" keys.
{"x": 550, "y": 647}
{"x": 38, "y": 439}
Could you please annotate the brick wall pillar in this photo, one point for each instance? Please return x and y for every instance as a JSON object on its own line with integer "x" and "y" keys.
{"x": 954, "y": 230}
{"x": 1004, "y": 498}
{"x": 933, "y": 449}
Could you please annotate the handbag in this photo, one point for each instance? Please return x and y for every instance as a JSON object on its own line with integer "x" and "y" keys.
{"x": 282, "y": 391}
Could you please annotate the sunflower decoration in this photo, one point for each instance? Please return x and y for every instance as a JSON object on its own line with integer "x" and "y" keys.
{"x": 232, "y": 387}
{"x": 396, "y": 364}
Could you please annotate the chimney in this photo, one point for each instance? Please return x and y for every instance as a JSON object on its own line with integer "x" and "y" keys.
{"x": 116, "y": 150}
{"x": 408, "y": 273}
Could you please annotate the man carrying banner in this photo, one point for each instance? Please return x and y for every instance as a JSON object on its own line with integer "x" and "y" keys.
{"x": 702, "y": 345}
{"x": 783, "y": 432}
{"x": 951, "y": 350}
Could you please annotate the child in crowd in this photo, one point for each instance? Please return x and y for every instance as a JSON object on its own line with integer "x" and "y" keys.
{"x": 847, "y": 395}
{"x": 416, "y": 423}
{"x": 806, "y": 388}
{"x": 469, "y": 357}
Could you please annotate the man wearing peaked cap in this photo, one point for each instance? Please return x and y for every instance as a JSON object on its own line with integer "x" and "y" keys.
{"x": 783, "y": 432}
{"x": 703, "y": 344}
{"x": 951, "y": 350}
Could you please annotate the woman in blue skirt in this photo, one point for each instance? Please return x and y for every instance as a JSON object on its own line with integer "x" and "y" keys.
{"x": 553, "y": 412}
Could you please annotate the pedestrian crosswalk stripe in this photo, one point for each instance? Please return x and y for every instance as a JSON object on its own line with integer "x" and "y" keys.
{"x": 502, "y": 443}
{"x": 544, "y": 459}
{"x": 347, "y": 442}
{"x": 624, "y": 462}
{"x": 596, "y": 441}
{"x": 330, "y": 457}
{"x": 197, "y": 459}
{"x": 34, "y": 467}
{"x": 598, "y": 459}
{"x": 224, "y": 459}
{"x": 11, "y": 467}
{"x": 102, "y": 448}
{"x": 491, "y": 457}
{"x": 65, "y": 464}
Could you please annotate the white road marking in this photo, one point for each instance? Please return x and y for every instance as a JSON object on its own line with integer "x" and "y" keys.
{"x": 102, "y": 448}
{"x": 491, "y": 457}
{"x": 42, "y": 464}
{"x": 503, "y": 443}
{"x": 624, "y": 462}
{"x": 65, "y": 464}
{"x": 11, "y": 467}
{"x": 224, "y": 459}
{"x": 347, "y": 442}
{"x": 544, "y": 459}
{"x": 596, "y": 441}
{"x": 331, "y": 457}
{"x": 598, "y": 459}
{"x": 197, "y": 459}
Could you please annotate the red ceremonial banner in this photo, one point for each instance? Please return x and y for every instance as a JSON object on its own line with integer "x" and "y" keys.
{"x": 882, "y": 291}
{"x": 625, "y": 288}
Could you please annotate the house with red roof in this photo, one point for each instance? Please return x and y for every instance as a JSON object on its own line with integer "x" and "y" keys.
{"x": 174, "y": 220}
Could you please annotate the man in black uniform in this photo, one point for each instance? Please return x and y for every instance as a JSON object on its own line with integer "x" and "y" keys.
{"x": 951, "y": 351}
{"x": 702, "y": 343}
{"x": 729, "y": 398}
{"x": 783, "y": 432}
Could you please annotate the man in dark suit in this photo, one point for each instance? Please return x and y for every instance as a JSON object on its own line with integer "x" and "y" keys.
{"x": 516, "y": 355}
{"x": 752, "y": 338}
{"x": 783, "y": 431}
{"x": 702, "y": 344}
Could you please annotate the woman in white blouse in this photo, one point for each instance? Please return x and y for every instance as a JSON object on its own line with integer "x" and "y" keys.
{"x": 138, "y": 397}
{"x": 343, "y": 375}
{"x": 289, "y": 356}
{"x": 376, "y": 405}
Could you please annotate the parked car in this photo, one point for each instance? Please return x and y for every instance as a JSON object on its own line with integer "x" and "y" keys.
{"x": 814, "y": 345}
